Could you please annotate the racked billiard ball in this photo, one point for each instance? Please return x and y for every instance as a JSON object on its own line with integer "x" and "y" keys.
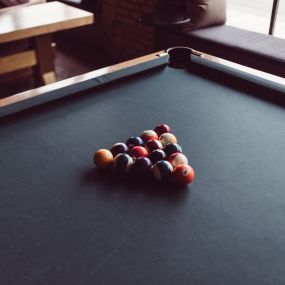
{"x": 103, "y": 158}
{"x": 142, "y": 166}
{"x": 149, "y": 135}
{"x": 138, "y": 151}
{"x": 153, "y": 145}
{"x": 167, "y": 138}
{"x": 161, "y": 129}
{"x": 122, "y": 163}
{"x": 119, "y": 148}
{"x": 172, "y": 148}
{"x": 183, "y": 174}
{"x": 177, "y": 158}
{"x": 134, "y": 141}
{"x": 157, "y": 155}
{"x": 162, "y": 170}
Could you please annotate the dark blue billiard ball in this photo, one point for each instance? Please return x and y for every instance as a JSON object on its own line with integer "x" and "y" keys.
{"x": 119, "y": 148}
{"x": 122, "y": 163}
{"x": 134, "y": 141}
{"x": 142, "y": 166}
{"x": 162, "y": 170}
{"x": 157, "y": 155}
{"x": 172, "y": 148}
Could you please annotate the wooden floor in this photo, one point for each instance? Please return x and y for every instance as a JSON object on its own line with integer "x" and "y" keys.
{"x": 72, "y": 58}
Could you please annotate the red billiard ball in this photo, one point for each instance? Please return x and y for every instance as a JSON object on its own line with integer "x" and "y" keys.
{"x": 119, "y": 148}
{"x": 142, "y": 166}
{"x": 138, "y": 151}
{"x": 183, "y": 174}
{"x": 177, "y": 158}
{"x": 153, "y": 145}
{"x": 134, "y": 141}
{"x": 122, "y": 163}
{"x": 149, "y": 135}
{"x": 103, "y": 158}
{"x": 157, "y": 155}
{"x": 162, "y": 170}
{"x": 161, "y": 129}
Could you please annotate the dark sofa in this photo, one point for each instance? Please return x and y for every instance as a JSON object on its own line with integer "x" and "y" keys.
{"x": 260, "y": 51}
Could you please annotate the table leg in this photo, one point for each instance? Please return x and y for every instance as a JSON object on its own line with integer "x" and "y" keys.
{"x": 44, "y": 70}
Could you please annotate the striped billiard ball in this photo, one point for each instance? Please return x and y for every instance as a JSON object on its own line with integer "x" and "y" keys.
{"x": 134, "y": 141}
{"x": 162, "y": 170}
{"x": 153, "y": 145}
{"x": 122, "y": 163}
{"x": 177, "y": 158}
{"x": 167, "y": 138}
{"x": 119, "y": 148}
{"x": 172, "y": 148}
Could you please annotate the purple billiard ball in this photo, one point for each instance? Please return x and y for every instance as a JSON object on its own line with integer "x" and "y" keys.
{"x": 142, "y": 166}
{"x": 134, "y": 141}
{"x": 157, "y": 155}
{"x": 119, "y": 148}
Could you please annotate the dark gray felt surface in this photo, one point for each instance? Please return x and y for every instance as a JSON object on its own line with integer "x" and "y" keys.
{"x": 62, "y": 222}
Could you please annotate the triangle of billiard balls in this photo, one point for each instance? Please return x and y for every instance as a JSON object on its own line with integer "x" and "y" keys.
{"x": 155, "y": 152}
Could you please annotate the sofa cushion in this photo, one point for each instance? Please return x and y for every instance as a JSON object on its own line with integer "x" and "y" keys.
{"x": 205, "y": 13}
{"x": 249, "y": 48}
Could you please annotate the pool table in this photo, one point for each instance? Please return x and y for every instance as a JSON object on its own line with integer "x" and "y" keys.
{"x": 64, "y": 222}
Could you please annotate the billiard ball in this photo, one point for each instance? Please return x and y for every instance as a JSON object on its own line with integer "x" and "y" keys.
{"x": 167, "y": 138}
{"x": 122, "y": 163}
{"x": 142, "y": 166}
{"x": 162, "y": 170}
{"x": 161, "y": 129}
{"x": 183, "y": 174}
{"x": 103, "y": 158}
{"x": 157, "y": 155}
{"x": 153, "y": 145}
{"x": 138, "y": 151}
{"x": 134, "y": 141}
{"x": 177, "y": 158}
{"x": 119, "y": 148}
{"x": 149, "y": 135}
{"x": 172, "y": 148}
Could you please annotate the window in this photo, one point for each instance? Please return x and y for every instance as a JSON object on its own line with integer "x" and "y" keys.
{"x": 255, "y": 15}
{"x": 280, "y": 20}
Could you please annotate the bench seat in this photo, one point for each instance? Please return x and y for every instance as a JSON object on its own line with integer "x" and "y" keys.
{"x": 260, "y": 51}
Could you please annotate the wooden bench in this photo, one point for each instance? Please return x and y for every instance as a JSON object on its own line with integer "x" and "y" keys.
{"x": 36, "y": 23}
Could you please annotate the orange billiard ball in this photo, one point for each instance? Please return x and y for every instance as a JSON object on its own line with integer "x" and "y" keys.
{"x": 103, "y": 158}
{"x": 183, "y": 174}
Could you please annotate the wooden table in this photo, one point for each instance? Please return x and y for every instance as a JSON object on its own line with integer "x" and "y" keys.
{"x": 36, "y": 23}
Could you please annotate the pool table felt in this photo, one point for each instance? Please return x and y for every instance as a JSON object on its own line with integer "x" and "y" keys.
{"x": 63, "y": 222}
